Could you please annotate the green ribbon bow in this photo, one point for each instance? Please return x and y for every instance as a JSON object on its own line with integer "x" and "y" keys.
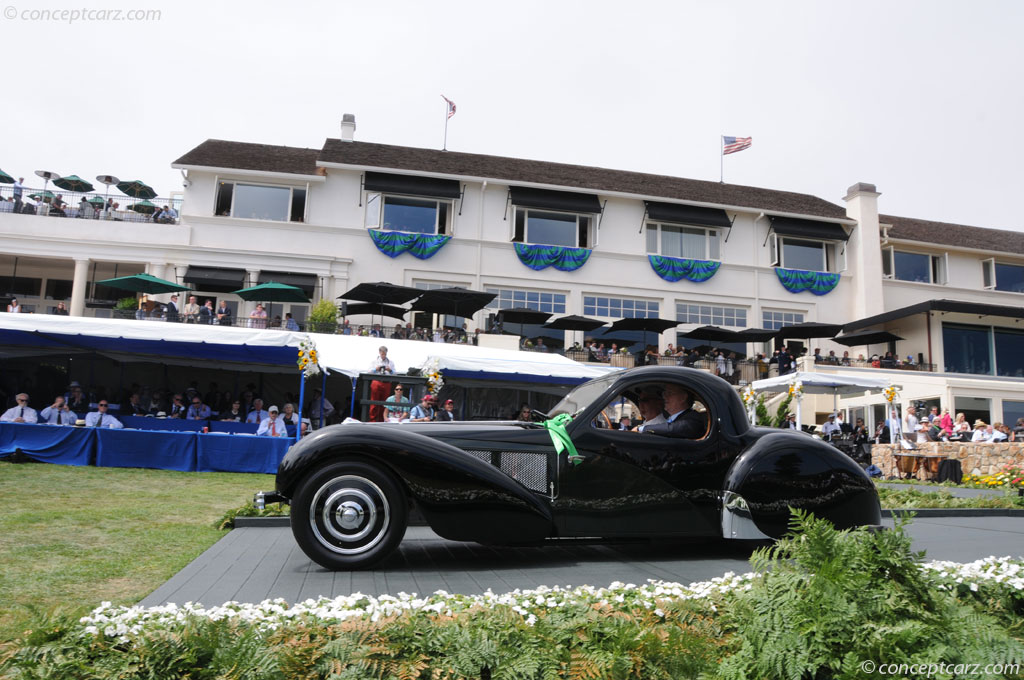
{"x": 560, "y": 438}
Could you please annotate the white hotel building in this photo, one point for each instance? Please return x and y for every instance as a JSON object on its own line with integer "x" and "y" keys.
{"x": 567, "y": 239}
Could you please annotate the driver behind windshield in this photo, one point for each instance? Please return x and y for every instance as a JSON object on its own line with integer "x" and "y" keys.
{"x": 680, "y": 418}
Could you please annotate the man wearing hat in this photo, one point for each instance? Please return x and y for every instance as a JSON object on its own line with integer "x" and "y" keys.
{"x": 981, "y": 433}
{"x": 273, "y": 426}
{"x": 424, "y": 411}
{"x": 447, "y": 413}
{"x": 830, "y": 427}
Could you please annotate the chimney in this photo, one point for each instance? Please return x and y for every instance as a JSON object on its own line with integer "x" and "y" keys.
{"x": 864, "y": 257}
{"x": 348, "y": 127}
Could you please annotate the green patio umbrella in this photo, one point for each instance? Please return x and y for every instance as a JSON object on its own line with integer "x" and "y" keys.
{"x": 272, "y": 292}
{"x": 5, "y": 178}
{"x": 136, "y": 189}
{"x": 143, "y": 207}
{"x": 73, "y": 183}
{"x": 143, "y": 283}
{"x": 42, "y": 195}
{"x": 97, "y": 200}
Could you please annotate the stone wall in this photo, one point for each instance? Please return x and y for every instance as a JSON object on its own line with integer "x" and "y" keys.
{"x": 975, "y": 459}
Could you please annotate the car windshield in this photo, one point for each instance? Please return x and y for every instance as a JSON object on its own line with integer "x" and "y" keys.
{"x": 583, "y": 396}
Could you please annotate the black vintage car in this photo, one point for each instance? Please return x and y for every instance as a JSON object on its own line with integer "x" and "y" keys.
{"x": 351, "y": 486}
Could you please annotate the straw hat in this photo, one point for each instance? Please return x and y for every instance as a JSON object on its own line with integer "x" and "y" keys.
{"x": 979, "y": 423}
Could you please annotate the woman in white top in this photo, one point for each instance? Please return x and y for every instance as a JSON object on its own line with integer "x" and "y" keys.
{"x": 961, "y": 426}
{"x": 980, "y": 432}
{"x": 14, "y": 307}
{"x": 922, "y": 430}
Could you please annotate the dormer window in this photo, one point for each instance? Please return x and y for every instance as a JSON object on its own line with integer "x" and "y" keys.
{"x": 684, "y": 231}
{"x": 554, "y": 218}
{"x": 418, "y": 205}
{"x": 808, "y": 245}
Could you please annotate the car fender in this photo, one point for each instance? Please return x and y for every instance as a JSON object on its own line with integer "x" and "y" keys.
{"x": 461, "y": 497}
{"x": 783, "y": 470}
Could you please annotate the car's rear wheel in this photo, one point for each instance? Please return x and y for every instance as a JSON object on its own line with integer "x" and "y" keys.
{"x": 348, "y": 515}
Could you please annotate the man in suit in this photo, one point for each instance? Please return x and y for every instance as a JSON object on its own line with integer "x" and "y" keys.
{"x": 172, "y": 309}
{"x": 680, "y": 418}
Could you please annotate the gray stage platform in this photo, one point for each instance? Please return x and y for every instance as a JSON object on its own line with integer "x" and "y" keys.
{"x": 253, "y": 564}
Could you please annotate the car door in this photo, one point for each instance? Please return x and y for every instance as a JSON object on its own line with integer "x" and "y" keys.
{"x": 637, "y": 484}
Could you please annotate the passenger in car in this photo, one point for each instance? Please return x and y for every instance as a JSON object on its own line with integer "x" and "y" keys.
{"x": 651, "y": 407}
{"x": 681, "y": 420}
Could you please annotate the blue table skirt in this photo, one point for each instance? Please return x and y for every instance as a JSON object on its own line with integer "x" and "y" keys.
{"x": 49, "y": 443}
{"x": 219, "y": 452}
{"x": 142, "y": 449}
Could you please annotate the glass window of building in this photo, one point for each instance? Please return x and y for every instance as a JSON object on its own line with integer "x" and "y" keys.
{"x": 967, "y": 349}
{"x": 1009, "y": 346}
{"x": 1009, "y": 277}
{"x": 260, "y": 202}
{"x": 672, "y": 240}
{"x": 1012, "y": 412}
{"x": 917, "y": 267}
{"x": 547, "y": 227}
{"x": 973, "y": 408}
{"x": 774, "y": 320}
{"x": 711, "y": 315}
{"x": 619, "y": 308}
{"x": 413, "y": 214}
{"x": 508, "y": 298}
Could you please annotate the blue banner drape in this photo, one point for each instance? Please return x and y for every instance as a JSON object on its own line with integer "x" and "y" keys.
{"x": 673, "y": 269}
{"x": 394, "y": 243}
{"x": 227, "y": 453}
{"x": 167, "y": 450}
{"x": 799, "y": 280}
{"x": 562, "y": 258}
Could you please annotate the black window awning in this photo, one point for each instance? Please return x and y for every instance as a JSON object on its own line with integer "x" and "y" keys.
{"x": 215, "y": 279}
{"x": 687, "y": 214}
{"x": 567, "y": 201}
{"x": 307, "y": 282}
{"x": 812, "y": 229}
{"x": 411, "y": 185}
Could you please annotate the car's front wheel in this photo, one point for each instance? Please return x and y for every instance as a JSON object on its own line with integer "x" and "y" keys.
{"x": 348, "y": 515}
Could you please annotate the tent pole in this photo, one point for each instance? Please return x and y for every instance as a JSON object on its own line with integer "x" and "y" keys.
{"x": 352, "y": 401}
{"x": 302, "y": 398}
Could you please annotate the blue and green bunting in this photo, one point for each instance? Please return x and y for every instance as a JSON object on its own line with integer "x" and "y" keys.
{"x": 798, "y": 280}
{"x": 394, "y": 243}
{"x": 560, "y": 257}
{"x": 674, "y": 268}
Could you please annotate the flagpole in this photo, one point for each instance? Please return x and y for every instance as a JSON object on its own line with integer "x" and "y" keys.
{"x": 721, "y": 159}
{"x": 444, "y": 147}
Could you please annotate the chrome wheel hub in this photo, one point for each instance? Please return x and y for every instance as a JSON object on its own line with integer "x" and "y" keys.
{"x": 349, "y": 514}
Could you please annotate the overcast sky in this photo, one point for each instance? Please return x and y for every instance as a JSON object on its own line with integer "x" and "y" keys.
{"x": 923, "y": 99}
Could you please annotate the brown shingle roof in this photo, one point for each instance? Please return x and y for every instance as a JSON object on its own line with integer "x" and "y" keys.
{"x": 218, "y": 153}
{"x": 575, "y": 176}
{"x": 961, "y": 235}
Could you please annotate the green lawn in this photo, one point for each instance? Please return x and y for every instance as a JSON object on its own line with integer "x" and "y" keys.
{"x": 71, "y": 537}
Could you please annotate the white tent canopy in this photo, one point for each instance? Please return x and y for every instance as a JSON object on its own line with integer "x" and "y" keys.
{"x": 822, "y": 383}
{"x": 24, "y": 334}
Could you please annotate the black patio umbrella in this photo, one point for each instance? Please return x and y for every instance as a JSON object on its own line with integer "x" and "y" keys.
{"x": 376, "y": 309}
{"x": 574, "y": 322}
{"x": 866, "y": 338}
{"x": 809, "y": 329}
{"x": 714, "y": 334}
{"x": 381, "y": 293}
{"x": 454, "y": 301}
{"x": 756, "y": 334}
{"x": 647, "y": 325}
{"x": 521, "y": 316}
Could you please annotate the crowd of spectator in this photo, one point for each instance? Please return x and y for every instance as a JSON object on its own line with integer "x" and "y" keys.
{"x": 27, "y": 201}
{"x": 93, "y": 408}
{"x": 936, "y": 427}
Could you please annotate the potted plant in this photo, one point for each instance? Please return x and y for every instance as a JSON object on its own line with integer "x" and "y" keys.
{"x": 323, "y": 318}
{"x": 125, "y": 308}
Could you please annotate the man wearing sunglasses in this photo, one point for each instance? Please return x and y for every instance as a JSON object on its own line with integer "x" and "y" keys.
{"x": 101, "y": 418}
{"x": 22, "y": 413}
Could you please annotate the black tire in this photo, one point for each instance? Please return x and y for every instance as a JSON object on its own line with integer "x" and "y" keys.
{"x": 348, "y": 515}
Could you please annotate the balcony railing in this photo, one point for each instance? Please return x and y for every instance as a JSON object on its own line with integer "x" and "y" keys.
{"x": 72, "y": 207}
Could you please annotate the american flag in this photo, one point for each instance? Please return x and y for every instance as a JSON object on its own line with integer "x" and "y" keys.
{"x": 451, "y": 106}
{"x": 734, "y": 144}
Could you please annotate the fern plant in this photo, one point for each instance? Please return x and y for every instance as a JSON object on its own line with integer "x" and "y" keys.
{"x": 830, "y": 600}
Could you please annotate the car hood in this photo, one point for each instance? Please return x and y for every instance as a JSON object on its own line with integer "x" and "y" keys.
{"x": 473, "y": 430}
